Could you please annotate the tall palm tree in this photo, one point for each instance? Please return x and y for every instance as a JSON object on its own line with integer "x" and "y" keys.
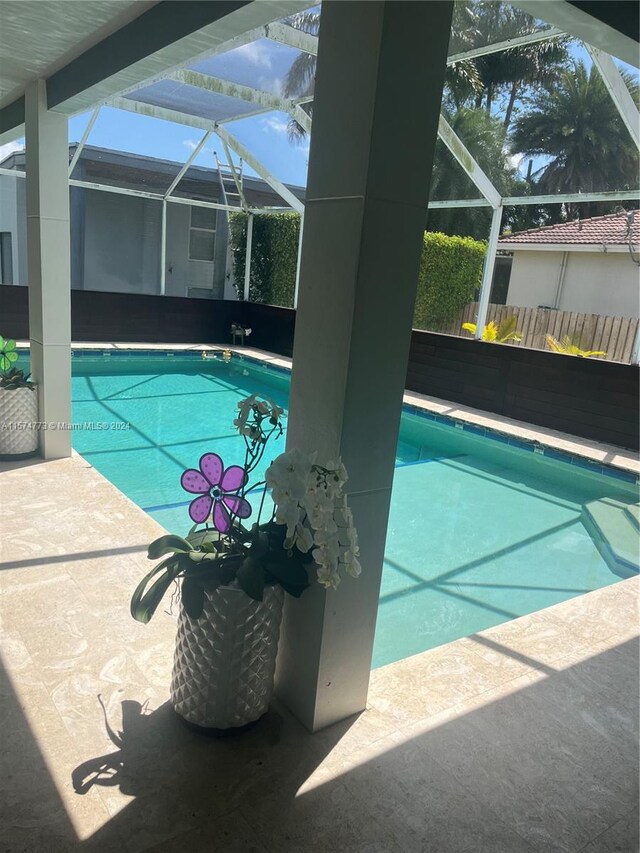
{"x": 576, "y": 124}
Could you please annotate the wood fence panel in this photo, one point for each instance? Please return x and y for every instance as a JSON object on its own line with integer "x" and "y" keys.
{"x": 613, "y": 335}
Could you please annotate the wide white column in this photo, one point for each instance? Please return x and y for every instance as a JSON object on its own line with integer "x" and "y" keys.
{"x": 377, "y": 98}
{"x": 49, "y": 263}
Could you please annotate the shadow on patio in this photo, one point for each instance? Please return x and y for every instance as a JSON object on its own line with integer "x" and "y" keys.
{"x": 548, "y": 762}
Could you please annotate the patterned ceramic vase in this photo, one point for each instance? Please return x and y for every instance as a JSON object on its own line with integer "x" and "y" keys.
{"x": 18, "y": 409}
{"x": 225, "y": 661}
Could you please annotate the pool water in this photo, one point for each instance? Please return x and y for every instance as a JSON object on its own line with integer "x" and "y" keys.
{"x": 480, "y": 531}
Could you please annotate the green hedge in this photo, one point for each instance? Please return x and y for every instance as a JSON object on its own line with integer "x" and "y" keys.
{"x": 274, "y": 256}
{"x": 450, "y": 270}
{"x": 450, "y": 274}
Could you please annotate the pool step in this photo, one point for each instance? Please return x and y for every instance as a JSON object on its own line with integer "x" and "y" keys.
{"x": 614, "y": 527}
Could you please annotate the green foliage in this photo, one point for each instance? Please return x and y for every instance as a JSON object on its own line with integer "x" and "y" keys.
{"x": 274, "y": 256}
{"x": 572, "y": 346}
{"x": 203, "y": 561}
{"x": 504, "y": 333}
{"x": 11, "y": 377}
{"x": 450, "y": 274}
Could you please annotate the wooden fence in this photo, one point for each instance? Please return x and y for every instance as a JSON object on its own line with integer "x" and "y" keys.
{"x": 613, "y": 335}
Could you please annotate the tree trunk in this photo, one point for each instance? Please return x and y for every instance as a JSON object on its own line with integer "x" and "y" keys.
{"x": 489, "y": 97}
{"x": 512, "y": 100}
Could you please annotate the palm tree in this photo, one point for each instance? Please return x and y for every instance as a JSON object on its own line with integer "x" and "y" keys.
{"x": 300, "y": 79}
{"x": 577, "y": 125}
{"x": 514, "y": 71}
{"x": 484, "y": 136}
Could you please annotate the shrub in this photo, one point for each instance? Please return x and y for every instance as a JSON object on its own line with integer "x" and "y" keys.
{"x": 450, "y": 274}
{"x": 274, "y": 256}
{"x": 450, "y": 269}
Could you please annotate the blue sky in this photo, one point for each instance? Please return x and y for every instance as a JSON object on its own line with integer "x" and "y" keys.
{"x": 262, "y": 64}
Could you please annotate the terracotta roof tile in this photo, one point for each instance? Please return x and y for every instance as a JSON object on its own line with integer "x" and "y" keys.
{"x": 598, "y": 230}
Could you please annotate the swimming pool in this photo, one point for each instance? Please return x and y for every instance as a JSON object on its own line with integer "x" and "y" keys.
{"x": 482, "y": 530}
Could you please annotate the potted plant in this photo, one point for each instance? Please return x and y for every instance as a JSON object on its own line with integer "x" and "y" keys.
{"x": 233, "y": 577}
{"x": 18, "y": 406}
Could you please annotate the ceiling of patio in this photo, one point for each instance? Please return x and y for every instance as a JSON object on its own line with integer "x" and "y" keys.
{"x": 37, "y": 39}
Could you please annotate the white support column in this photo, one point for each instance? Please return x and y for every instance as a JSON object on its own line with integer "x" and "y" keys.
{"x": 163, "y": 249}
{"x": 487, "y": 272}
{"x": 49, "y": 263}
{"x": 298, "y": 262}
{"x": 247, "y": 257}
{"x": 361, "y": 252}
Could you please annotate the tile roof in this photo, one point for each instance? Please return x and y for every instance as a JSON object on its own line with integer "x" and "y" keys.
{"x": 598, "y": 230}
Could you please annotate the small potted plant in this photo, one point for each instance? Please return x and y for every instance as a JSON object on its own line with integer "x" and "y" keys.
{"x": 233, "y": 577}
{"x": 18, "y": 406}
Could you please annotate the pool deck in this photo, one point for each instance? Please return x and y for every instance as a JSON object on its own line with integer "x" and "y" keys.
{"x": 594, "y": 451}
{"x": 521, "y": 738}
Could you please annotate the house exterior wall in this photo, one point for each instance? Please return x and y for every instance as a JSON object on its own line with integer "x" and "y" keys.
{"x": 121, "y": 243}
{"x": 13, "y": 219}
{"x": 594, "y": 282}
{"x": 183, "y": 273}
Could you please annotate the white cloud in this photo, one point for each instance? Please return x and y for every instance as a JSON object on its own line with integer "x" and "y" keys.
{"x": 10, "y": 148}
{"x": 255, "y": 53}
{"x": 191, "y": 144}
{"x": 276, "y": 124}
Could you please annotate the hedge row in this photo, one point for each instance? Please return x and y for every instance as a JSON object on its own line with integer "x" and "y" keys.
{"x": 450, "y": 271}
{"x": 450, "y": 274}
{"x": 274, "y": 256}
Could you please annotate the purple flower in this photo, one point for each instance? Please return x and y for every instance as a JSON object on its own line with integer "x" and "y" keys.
{"x": 216, "y": 488}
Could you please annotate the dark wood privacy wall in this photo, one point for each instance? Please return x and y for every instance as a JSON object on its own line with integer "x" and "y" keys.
{"x": 586, "y": 397}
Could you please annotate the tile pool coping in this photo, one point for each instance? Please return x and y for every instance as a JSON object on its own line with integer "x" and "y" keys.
{"x": 599, "y": 458}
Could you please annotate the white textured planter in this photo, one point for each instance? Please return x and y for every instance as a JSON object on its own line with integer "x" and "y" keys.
{"x": 18, "y": 410}
{"x": 225, "y": 661}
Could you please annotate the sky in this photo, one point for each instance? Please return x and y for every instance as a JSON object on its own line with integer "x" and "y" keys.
{"x": 263, "y": 65}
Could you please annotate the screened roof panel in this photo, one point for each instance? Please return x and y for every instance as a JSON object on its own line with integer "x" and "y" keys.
{"x": 173, "y": 95}
{"x": 262, "y": 64}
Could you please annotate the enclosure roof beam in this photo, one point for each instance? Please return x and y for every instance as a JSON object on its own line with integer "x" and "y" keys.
{"x": 292, "y": 37}
{"x": 83, "y": 141}
{"x": 507, "y": 44}
{"x": 265, "y": 100}
{"x": 184, "y": 168}
{"x": 298, "y": 39}
{"x": 167, "y": 36}
{"x": 282, "y": 190}
{"x": 163, "y": 113}
{"x": 468, "y": 163}
{"x": 617, "y": 88}
{"x": 620, "y": 40}
{"x": 572, "y": 198}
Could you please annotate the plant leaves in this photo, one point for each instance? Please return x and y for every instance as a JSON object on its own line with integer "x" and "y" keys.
{"x": 168, "y": 544}
{"x": 192, "y": 597}
{"x": 250, "y": 576}
{"x": 288, "y": 571}
{"x": 144, "y": 604}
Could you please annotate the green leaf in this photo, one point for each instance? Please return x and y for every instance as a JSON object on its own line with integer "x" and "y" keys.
{"x": 251, "y": 578}
{"x": 192, "y": 597}
{"x": 289, "y": 572}
{"x": 168, "y": 544}
{"x": 144, "y": 604}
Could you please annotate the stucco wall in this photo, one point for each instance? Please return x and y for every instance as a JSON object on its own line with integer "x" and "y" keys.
{"x": 594, "y": 282}
{"x": 13, "y": 218}
{"x": 121, "y": 243}
{"x": 183, "y": 273}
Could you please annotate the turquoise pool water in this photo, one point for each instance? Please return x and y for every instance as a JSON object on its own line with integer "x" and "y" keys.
{"x": 480, "y": 531}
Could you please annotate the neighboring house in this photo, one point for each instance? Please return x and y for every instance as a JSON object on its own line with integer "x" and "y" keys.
{"x": 116, "y": 238}
{"x": 588, "y": 266}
